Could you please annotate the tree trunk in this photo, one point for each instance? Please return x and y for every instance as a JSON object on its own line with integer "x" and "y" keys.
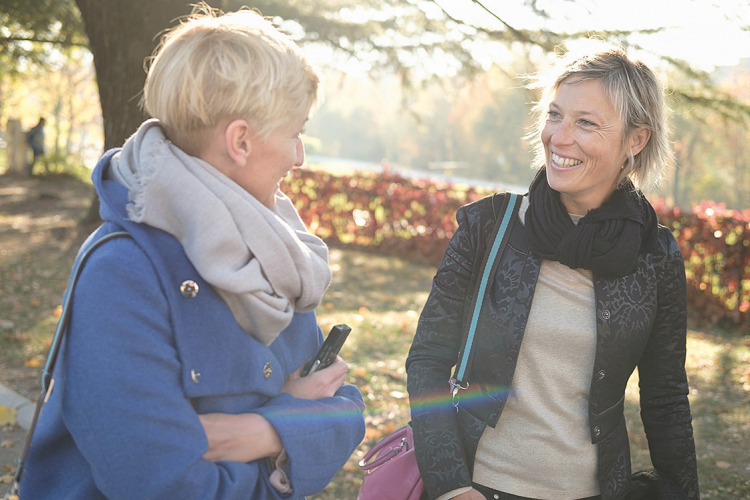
{"x": 122, "y": 34}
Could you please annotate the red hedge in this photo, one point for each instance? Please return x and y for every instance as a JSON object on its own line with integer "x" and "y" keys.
{"x": 414, "y": 219}
{"x": 715, "y": 243}
{"x": 387, "y": 213}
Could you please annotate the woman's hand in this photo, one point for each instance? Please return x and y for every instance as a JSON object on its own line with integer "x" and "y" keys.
{"x": 320, "y": 384}
{"x": 249, "y": 436}
{"x": 239, "y": 438}
{"x": 472, "y": 494}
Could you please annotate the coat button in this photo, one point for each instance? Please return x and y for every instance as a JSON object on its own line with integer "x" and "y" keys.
{"x": 267, "y": 370}
{"x": 195, "y": 376}
{"x": 597, "y": 431}
{"x": 189, "y": 289}
{"x": 600, "y": 374}
{"x": 605, "y": 314}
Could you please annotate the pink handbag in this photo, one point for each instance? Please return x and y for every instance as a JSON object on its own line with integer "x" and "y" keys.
{"x": 391, "y": 471}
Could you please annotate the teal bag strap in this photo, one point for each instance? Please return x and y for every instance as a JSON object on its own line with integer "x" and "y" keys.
{"x": 499, "y": 240}
{"x": 62, "y": 327}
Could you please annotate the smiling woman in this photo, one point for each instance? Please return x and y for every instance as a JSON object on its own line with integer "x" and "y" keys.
{"x": 584, "y": 145}
{"x": 588, "y": 287}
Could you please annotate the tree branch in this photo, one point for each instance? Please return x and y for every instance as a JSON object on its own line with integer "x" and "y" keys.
{"x": 58, "y": 41}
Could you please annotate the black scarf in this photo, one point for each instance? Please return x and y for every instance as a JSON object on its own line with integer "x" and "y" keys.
{"x": 607, "y": 240}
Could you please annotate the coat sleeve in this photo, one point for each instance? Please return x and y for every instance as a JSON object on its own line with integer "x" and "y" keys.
{"x": 319, "y": 436}
{"x": 441, "y": 456}
{"x": 125, "y": 408}
{"x": 665, "y": 409}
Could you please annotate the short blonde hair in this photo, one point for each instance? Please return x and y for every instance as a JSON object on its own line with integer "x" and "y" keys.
{"x": 216, "y": 66}
{"x": 634, "y": 90}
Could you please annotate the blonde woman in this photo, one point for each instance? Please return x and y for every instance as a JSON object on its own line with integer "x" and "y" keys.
{"x": 180, "y": 376}
{"x": 589, "y": 288}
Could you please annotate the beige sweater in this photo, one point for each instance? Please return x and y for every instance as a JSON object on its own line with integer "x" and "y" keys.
{"x": 541, "y": 446}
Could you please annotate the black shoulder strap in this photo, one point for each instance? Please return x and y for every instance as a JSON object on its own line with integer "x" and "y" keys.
{"x": 62, "y": 326}
{"x": 505, "y": 219}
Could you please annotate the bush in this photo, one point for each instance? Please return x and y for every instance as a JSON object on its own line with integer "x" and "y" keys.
{"x": 715, "y": 244}
{"x": 387, "y": 213}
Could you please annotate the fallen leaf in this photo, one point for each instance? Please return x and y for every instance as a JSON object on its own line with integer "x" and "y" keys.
{"x": 8, "y": 443}
{"x": 723, "y": 465}
{"x": 6, "y": 479}
{"x": 33, "y": 363}
{"x": 35, "y": 302}
{"x": 360, "y": 372}
{"x": 372, "y": 433}
{"x": 389, "y": 427}
{"x": 363, "y": 310}
{"x": 10, "y": 468}
{"x": 8, "y": 416}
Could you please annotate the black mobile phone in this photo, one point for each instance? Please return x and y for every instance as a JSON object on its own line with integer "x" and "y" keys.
{"x": 328, "y": 351}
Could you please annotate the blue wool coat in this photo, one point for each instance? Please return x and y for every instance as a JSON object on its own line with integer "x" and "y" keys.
{"x": 142, "y": 361}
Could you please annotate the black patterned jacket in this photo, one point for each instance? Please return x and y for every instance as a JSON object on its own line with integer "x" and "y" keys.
{"x": 641, "y": 321}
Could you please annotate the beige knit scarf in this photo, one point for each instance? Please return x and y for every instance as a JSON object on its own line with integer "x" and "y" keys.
{"x": 263, "y": 262}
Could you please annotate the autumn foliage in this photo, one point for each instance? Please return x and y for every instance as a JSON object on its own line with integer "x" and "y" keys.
{"x": 414, "y": 219}
{"x": 715, "y": 243}
{"x": 385, "y": 213}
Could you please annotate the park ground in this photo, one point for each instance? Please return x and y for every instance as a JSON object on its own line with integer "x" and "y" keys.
{"x": 380, "y": 297}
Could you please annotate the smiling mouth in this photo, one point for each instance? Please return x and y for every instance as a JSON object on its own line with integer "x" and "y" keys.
{"x": 565, "y": 162}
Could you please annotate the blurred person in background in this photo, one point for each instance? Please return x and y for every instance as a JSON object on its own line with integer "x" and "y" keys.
{"x": 35, "y": 140}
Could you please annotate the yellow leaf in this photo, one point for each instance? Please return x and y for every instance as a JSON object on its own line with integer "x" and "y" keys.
{"x": 363, "y": 310}
{"x": 371, "y": 433}
{"x": 33, "y": 363}
{"x": 360, "y": 372}
{"x": 6, "y": 444}
{"x": 389, "y": 427}
{"x": 8, "y": 416}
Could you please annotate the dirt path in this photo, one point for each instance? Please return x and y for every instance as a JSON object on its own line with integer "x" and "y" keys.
{"x": 39, "y": 237}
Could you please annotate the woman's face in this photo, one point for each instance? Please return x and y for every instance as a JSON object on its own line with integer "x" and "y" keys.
{"x": 270, "y": 160}
{"x": 583, "y": 145}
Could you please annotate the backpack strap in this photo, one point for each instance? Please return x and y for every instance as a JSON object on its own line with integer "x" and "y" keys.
{"x": 498, "y": 240}
{"x": 62, "y": 325}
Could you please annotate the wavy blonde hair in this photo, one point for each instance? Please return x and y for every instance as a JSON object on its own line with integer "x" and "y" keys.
{"x": 217, "y": 66}
{"x": 634, "y": 90}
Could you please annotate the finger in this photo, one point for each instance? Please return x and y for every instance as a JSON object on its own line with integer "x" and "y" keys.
{"x": 339, "y": 364}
